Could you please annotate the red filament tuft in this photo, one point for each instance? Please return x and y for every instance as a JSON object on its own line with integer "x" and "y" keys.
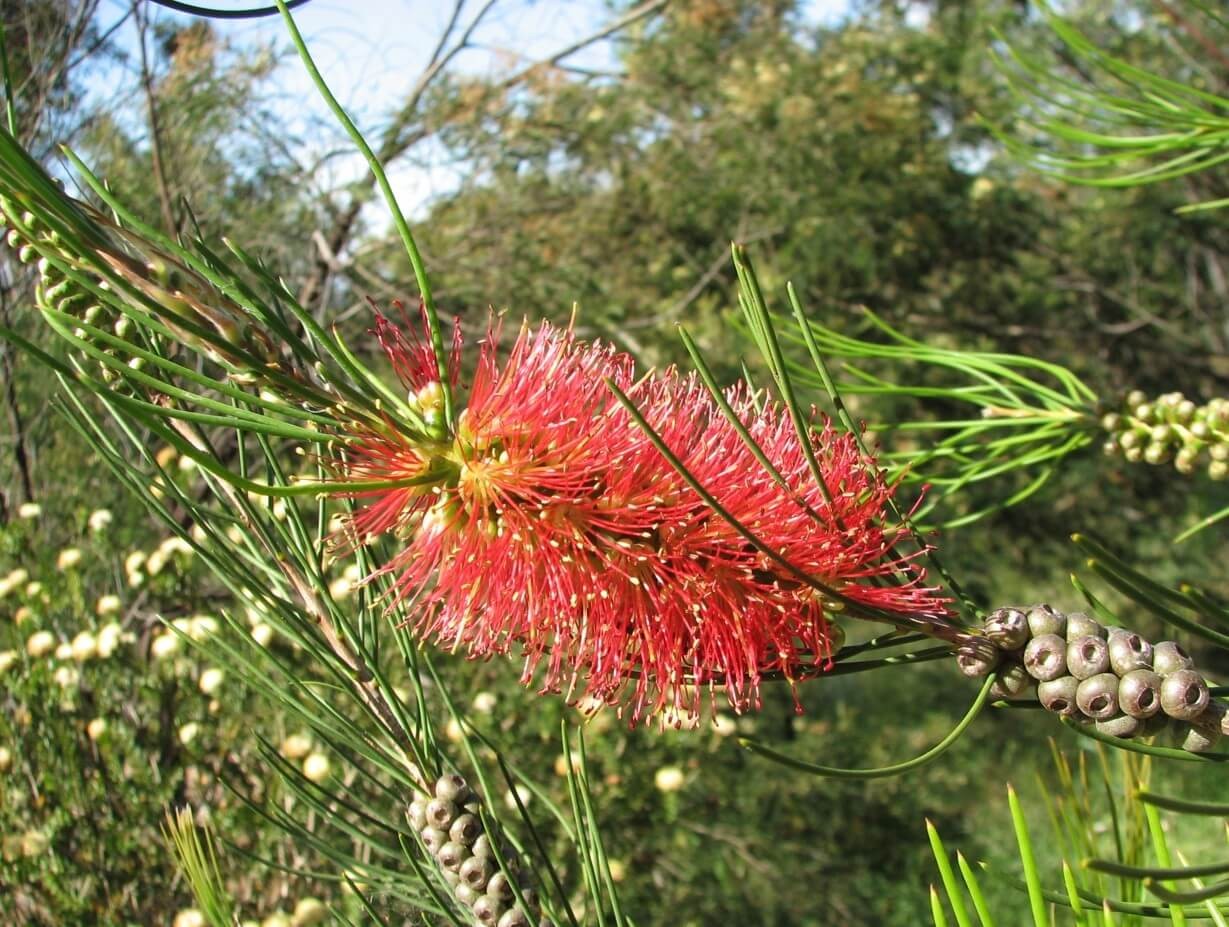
{"x": 557, "y": 530}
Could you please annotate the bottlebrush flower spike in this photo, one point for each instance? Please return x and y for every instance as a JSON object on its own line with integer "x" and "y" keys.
{"x": 551, "y": 525}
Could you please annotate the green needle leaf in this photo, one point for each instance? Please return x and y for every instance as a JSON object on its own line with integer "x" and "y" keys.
{"x": 950, "y": 885}
{"x": 882, "y": 772}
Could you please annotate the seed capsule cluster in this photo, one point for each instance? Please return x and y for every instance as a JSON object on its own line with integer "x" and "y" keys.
{"x": 453, "y": 833}
{"x": 1111, "y": 677}
{"x": 1171, "y": 429}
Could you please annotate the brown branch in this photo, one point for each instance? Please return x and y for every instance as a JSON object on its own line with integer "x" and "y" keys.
{"x": 16, "y": 423}
{"x": 155, "y": 142}
{"x": 1211, "y": 48}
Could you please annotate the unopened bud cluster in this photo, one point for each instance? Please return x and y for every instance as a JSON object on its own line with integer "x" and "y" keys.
{"x": 173, "y": 291}
{"x": 454, "y": 834}
{"x": 54, "y": 289}
{"x": 1171, "y": 429}
{"x": 1111, "y": 677}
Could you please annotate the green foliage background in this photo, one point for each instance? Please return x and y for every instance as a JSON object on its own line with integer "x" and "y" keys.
{"x": 857, "y": 163}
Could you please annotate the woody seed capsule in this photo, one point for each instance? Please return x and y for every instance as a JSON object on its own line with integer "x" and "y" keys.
{"x": 466, "y": 895}
{"x": 1213, "y": 719}
{"x": 1139, "y": 693}
{"x": 1128, "y": 651}
{"x": 1154, "y": 725}
{"x": 1045, "y": 657}
{"x": 433, "y": 838}
{"x": 499, "y": 887}
{"x": 1081, "y": 625}
{"x": 1199, "y": 740}
{"x": 441, "y": 813}
{"x": 452, "y": 788}
{"x": 476, "y": 871}
{"x": 451, "y": 855}
{"x": 1097, "y": 696}
{"x": 1042, "y": 619}
{"x": 487, "y": 910}
{"x": 465, "y": 829}
{"x": 514, "y": 917}
{"x": 482, "y": 846}
{"x": 977, "y": 658}
{"x": 1012, "y": 680}
{"x": 1169, "y": 657}
{"x": 1120, "y": 726}
{"x": 1058, "y": 695}
{"x": 418, "y": 814}
{"x": 1184, "y": 695}
{"x": 1087, "y": 656}
{"x": 1007, "y": 628}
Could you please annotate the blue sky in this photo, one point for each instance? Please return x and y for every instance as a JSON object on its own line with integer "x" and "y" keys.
{"x": 371, "y": 51}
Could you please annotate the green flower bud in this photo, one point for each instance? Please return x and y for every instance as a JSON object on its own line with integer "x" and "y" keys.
{"x": 1219, "y": 451}
{"x": 1156, "y": 453}
{"x": 1200, "y": 430}
{"x": 1109, "y": 447}
{"x": 1169, "y": 657}
{"x": 1136, "y": 397}
{"x": 1129, "y": 440}
{"x": 1159, "y": 434}
{"x": 1097, "y": 696}
{"x": 1186, "y": 459}
{"x": 1218, "y": 470}
{"x": 1045, "y": 657}
{"x": 1184, "y": 410}
{"x": 1144, "y": 411}
{"x": 1133, "y": 454}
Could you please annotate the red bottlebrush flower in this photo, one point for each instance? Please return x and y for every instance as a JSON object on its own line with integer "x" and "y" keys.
{"x": 557, "y": 529}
